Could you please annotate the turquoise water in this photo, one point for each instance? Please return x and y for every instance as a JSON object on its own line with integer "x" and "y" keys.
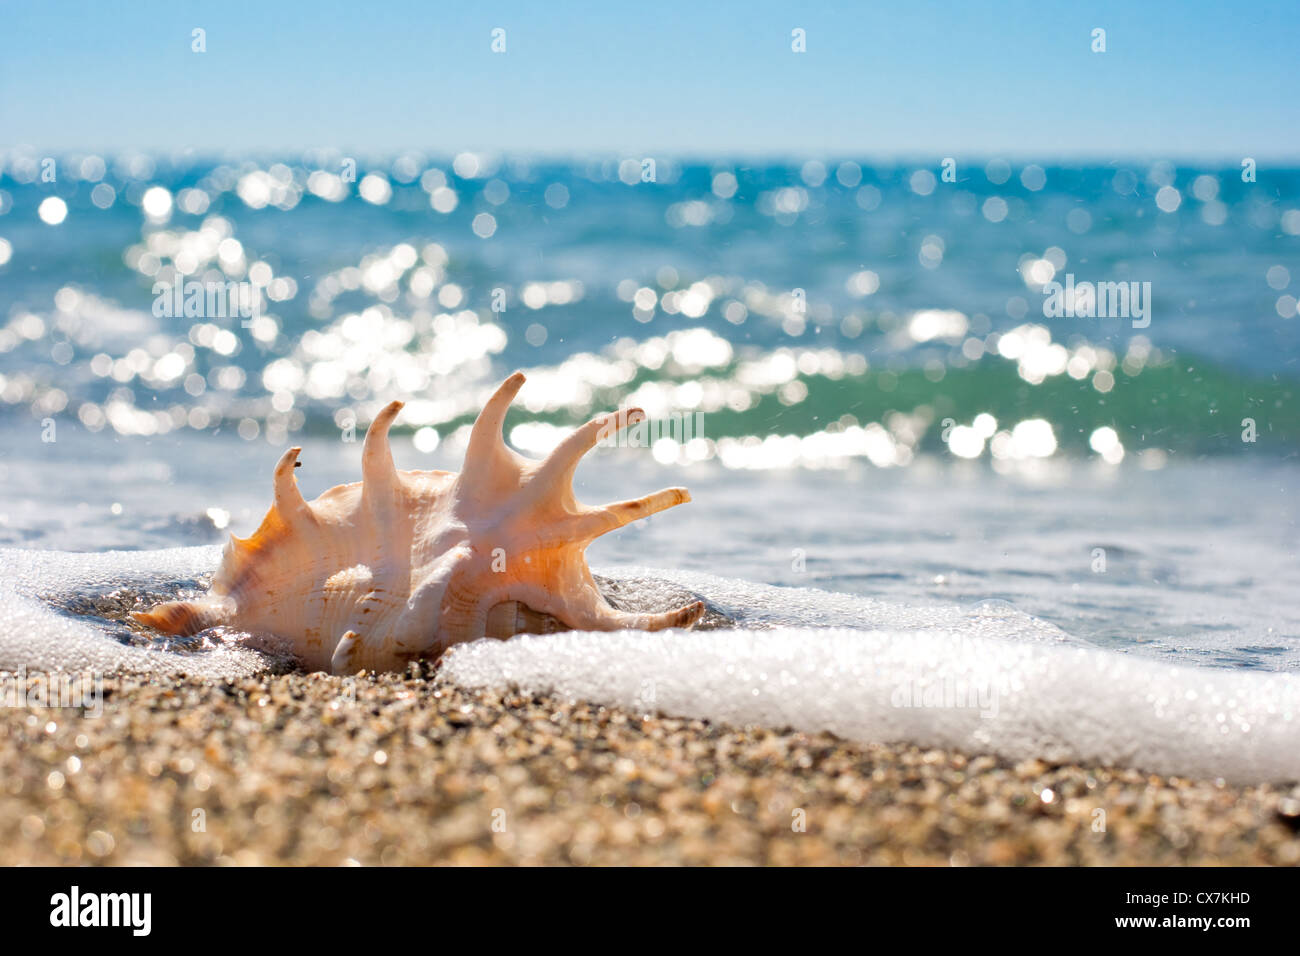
{"x": 877, "y": 402}
{"x": 789, "y": 300}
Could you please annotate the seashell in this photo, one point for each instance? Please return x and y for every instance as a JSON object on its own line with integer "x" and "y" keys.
{"x": 404, "y": 564}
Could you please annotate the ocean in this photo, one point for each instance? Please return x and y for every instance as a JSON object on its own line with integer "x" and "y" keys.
{"x": 1064, "y": 394}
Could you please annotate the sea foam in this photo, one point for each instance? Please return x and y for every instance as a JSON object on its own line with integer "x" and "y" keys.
{"x": 987, "y": 679}
{"x": 983, "y": 679}
{"x": 37, "y": 635}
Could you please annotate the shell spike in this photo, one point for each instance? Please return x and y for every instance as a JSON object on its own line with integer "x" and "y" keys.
{"x": 343, "y": 661}
{"x": 288, "y": 499}
{"x": 563, "y": 461}
{"x": 607, "y": 518}
{"x": 686, "y": 616}
{"x": 184, "y": 617}
{"x": 606, "y": 618}
{"x": 377, "y": 468}
{"x": 487, "y": 446}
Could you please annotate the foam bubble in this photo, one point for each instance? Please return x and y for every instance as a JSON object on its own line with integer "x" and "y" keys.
{"x": 36, "y": 635}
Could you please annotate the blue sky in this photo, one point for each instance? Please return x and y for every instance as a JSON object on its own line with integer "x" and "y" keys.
{"x": 683, "y": 78}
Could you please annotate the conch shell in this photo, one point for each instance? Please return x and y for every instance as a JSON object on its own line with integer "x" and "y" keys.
{"x": 404, "y": 564}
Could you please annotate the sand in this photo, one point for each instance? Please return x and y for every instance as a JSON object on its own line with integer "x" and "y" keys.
{"x": 405, "y": 769}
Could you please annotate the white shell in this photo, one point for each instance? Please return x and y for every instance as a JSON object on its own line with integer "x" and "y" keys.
{"x": 404, "y": 564}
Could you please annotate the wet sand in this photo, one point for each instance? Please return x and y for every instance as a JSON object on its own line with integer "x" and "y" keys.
{"x": 404, "y": 769}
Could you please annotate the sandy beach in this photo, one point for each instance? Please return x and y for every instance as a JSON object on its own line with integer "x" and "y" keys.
{"x": 406, "y": 769}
